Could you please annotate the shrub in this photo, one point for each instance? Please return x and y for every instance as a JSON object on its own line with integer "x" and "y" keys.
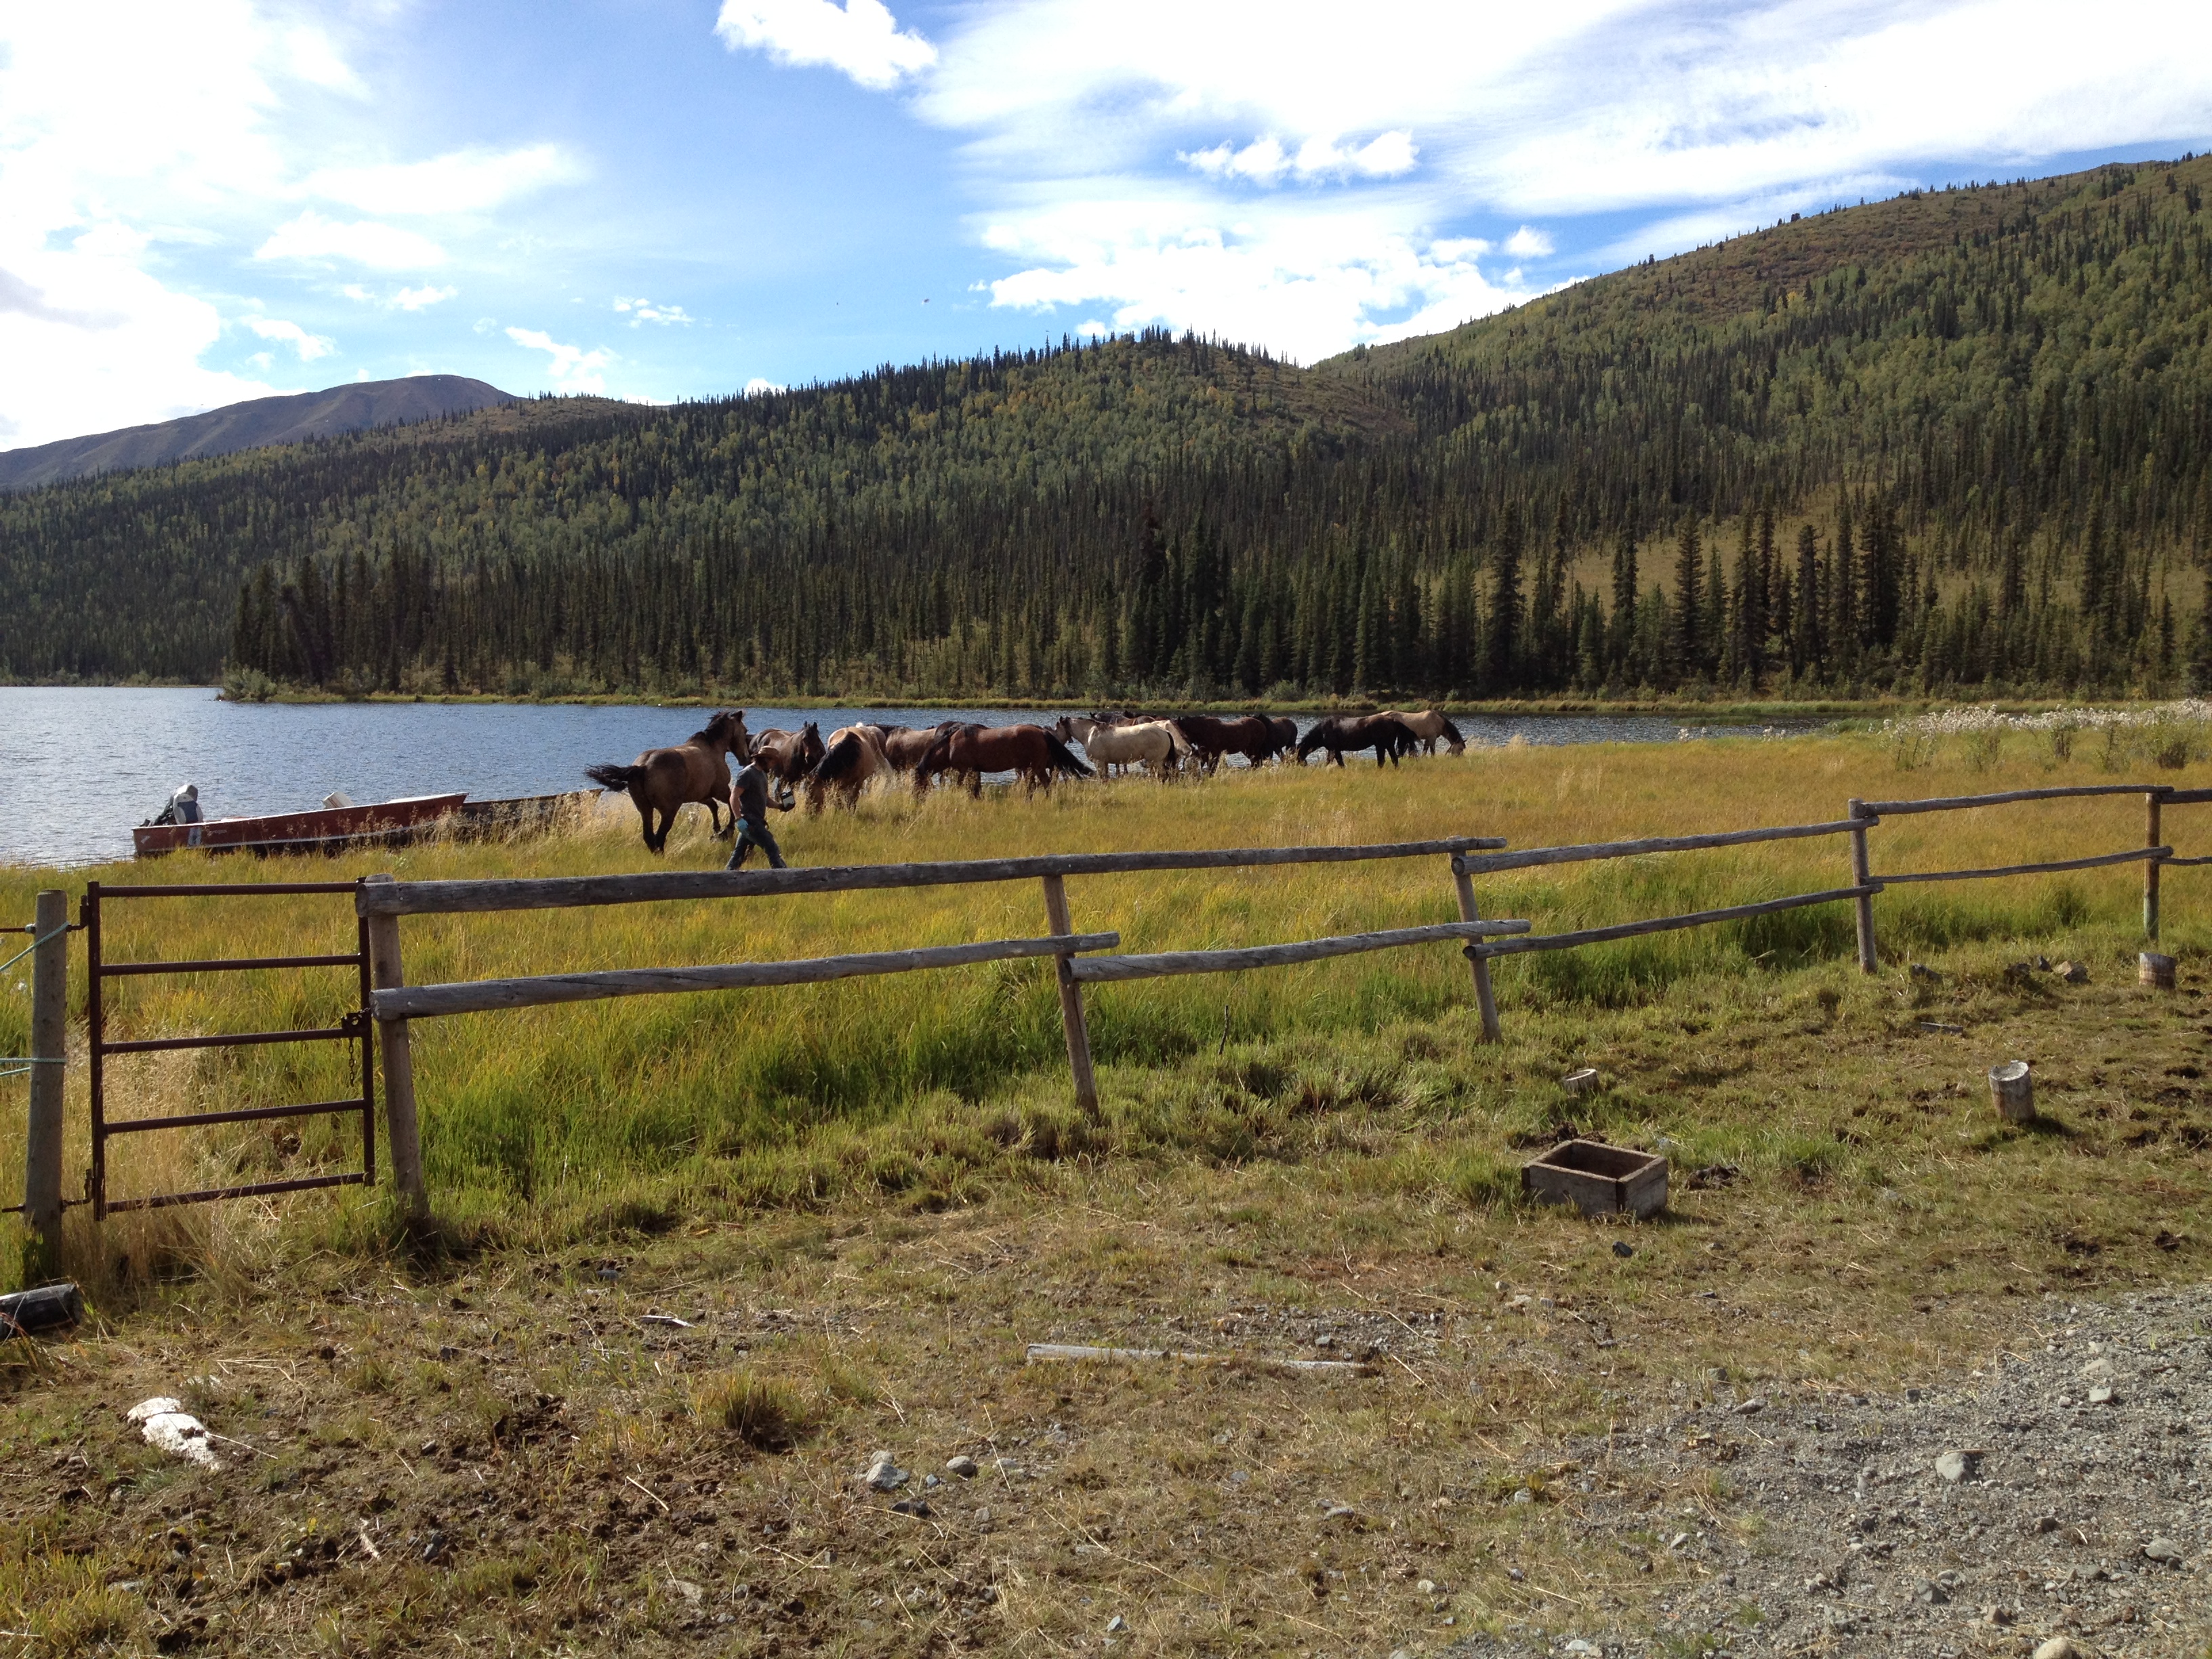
{"x": 764, "y": 1412}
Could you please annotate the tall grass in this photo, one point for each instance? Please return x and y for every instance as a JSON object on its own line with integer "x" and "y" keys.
{"x": 584, "y": 1116}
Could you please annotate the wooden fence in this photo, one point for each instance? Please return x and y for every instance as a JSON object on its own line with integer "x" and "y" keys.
{"x": 383, "y": 901}
{"x": 1094, "y": 958}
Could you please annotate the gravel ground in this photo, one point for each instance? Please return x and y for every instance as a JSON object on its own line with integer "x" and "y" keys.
{"x": 2060, "y": 1492}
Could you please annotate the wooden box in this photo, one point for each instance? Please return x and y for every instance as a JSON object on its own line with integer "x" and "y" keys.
{"x": 1598, "y": 1179}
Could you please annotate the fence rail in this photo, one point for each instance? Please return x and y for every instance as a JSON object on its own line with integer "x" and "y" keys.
{"x": 1079, "y": 959}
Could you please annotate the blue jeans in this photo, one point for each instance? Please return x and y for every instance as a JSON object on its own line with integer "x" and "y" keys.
{"x": 751, "y": 834}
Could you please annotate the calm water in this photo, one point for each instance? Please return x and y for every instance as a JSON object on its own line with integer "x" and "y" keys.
{"x": 79, "y": 766}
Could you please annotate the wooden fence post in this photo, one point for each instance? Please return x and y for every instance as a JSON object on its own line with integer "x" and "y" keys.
{"x": 1071, "y": 1001}
{"x": 400, "y": 1126}
{"x": 2152, "y": 802}
{"x": 42, "y": 1136}
{"x": 1483, "y": 1000}
{"x": 1862, "y": 874}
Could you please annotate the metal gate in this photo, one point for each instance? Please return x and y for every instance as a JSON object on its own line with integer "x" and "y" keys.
{"x": 355, "y": 1027}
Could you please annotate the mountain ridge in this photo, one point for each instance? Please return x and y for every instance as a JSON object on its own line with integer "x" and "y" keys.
{"x": 253, "y": 423}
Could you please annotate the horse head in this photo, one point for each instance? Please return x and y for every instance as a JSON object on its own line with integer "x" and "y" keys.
{"x": 728, "y": 731}
{"x": 1312, "y": 740}
{"x": 809, "y": 747}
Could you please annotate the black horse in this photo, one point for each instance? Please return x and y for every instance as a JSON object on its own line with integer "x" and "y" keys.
{"x": 1386, "y": 734}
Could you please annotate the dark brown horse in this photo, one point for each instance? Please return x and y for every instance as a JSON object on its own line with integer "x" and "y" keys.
{"x": 1386, "y": 734}
{"x": 969, "y": 751}
{"x": 1250, "y": 735}
{"x": 662, "y": 779}
{"x": 1286, "y": 733}
{"x": 788, "y": 756}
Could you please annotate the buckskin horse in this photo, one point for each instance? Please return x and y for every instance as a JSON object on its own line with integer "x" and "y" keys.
{"x": 1386, "y": 734}
{"x": 1428, "y": 724}
{"x": 969, "y": 751}
{"x": 663, "y": 779}
{"x": 853, "y": 755}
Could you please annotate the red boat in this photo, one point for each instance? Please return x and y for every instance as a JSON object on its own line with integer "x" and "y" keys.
{"x": 327, "y": 829}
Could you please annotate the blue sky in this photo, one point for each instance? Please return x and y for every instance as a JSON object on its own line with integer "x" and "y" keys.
{"x": 668, "y": 198}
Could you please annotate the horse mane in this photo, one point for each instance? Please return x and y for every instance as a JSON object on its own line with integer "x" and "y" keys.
{"x": 837, "y": 759}
{"x": 706, "y": 733}
{"x": 1451, "y": 731}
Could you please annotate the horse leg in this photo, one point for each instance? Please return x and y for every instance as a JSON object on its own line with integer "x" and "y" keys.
{"x": 645, "y": 823}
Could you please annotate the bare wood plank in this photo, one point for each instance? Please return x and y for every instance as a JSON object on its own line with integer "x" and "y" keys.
{"x": 2188, "y": 797}
{"x": 1077, "y": 1350}
{"x": 1099, "y": 969}
{"x": 1485, "y": 999}
{"x": 1863, "y": 876}
{"x": 2129, "y": 857}
{"x": 1535, "y": 856}
{"x": 1073, "y": 1025}
{"x": 2183, "y": 864}
{"x": 2152, "y": 865}
{"x": 1665, "y": 924}
{"x": 562, "y": 892}
{"x": 401, "y": 1125}
{"x": 480, "y": 996}
{"x": 1887, "y": 809}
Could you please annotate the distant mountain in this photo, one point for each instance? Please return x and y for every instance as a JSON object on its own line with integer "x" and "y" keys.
{"x": 251, "y": 425}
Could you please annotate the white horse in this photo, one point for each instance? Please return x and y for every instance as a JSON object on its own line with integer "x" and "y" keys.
{"x": 1158, "y": 744}
{"x": 1428, "y": 726}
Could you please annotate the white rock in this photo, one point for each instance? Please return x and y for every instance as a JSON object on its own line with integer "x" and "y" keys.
{"x": 1956, "y": 1466}
{"x": 2058, "y": 1647}
{"x": 170, "y": 1428}
{"x": 963, "y": 1466}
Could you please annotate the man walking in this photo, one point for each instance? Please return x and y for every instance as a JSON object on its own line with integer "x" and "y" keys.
{"x": 753, "y": 792}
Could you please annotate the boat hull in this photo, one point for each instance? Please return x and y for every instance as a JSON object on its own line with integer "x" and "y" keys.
{"x": 327, "y": 829}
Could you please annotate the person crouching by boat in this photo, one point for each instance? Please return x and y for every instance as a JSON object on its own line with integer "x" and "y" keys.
{"x": 184, "y": 805}
{"x": 753, "y": 792}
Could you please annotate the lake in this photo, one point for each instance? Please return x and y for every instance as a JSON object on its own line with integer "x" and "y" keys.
{"x": 80, "y": 765}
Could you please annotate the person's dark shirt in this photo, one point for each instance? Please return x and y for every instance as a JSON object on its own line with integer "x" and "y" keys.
{"x": 749, "y": 793}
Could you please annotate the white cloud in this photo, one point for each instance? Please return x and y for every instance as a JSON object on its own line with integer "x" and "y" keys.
{"x": 757, "y": 387}
{"x": 404, "y": 299}
{"x": 364, "y": 242}
{"x": 1264, "y": 160}
{"x": 1303, "y": 283}
{"x": 466, "y": 181}
{"x": 644, "y": 311}
{"x": 308, "y": 55}
{"x": 860, "y": 39}
{"x": 309, "y": 346}
{"x": 1529, "y": 244}
{"x": 573, "y": 369}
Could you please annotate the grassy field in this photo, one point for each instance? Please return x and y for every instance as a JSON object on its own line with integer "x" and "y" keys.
{"x": 867, "y": 1197}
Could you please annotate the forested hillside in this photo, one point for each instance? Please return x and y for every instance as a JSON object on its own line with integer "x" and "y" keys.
{"x": 1957, "y": 440}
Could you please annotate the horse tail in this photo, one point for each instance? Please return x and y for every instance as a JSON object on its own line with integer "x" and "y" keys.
{"x": 616, "y": 778}
{"x": 1064, "y": 758}
{"x": 842, "y": 756}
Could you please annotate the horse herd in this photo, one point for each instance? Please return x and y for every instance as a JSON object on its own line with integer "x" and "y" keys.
{"x": 661, "y": 780}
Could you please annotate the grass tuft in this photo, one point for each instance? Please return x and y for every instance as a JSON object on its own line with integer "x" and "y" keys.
{"x": 765, "y": 1412}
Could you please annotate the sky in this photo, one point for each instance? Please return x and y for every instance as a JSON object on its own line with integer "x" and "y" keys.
{"x": 202, "y": 201}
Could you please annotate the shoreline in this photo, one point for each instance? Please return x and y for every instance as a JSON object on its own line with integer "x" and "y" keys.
{"x": 1732, "y": 710}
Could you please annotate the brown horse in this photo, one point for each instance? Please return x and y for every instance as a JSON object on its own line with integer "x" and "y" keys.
{"x": 1249, "y": 735}
{"x": 1386, "y": 734}
{"x": 853, "y": 755}
{"x": 662, "y": 779}
{"x": 970, "y": 751}
{"x": 789, "y": 756}
{"x": 1286, "y": 734}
